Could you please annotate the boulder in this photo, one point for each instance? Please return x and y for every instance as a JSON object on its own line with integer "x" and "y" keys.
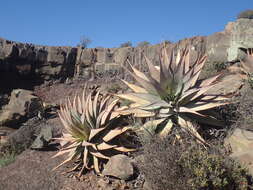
{"x": 241, "y": 142}
{"x": 22, "y": 105}
{"x": 119, "y": 166}
{"x": 44, "y": 137}
{"x": 42, "y": 62}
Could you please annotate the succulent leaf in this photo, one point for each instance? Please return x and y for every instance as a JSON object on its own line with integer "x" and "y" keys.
{"x": 90, "y": 125}
{"x": 173, "y": 90}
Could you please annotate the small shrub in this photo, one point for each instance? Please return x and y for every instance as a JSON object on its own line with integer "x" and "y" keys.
{"x": 246, "y": 14}
{"x": 7, "y": 159}
{"x": 143, "y": 44}
{"x": 126, "y": 44}
{"x": 212, "y": 68}
{"x": 187, "y": 165}
{"x": 220, "y": 66}
{"x": 214, "y": 170}
{"x": 84, "y": 42}
{"x": 245, "y": 108}
{"x": 114, "y": 88}
{"x": 167, "y": 42}
{"x": 160, "y": 164}
{"x": 250, "y": 80}
{"x": 8, "y": 153}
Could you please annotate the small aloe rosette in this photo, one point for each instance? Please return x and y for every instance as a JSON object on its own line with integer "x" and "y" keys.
{"x": 91, "y": 134}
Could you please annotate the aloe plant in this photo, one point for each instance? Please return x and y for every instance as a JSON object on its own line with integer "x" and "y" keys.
{"x": 172, "y": 95}
{"x": 91, "y": 135}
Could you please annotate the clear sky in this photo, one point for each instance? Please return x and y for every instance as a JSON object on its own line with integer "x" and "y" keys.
{"x": 108, "y": 23}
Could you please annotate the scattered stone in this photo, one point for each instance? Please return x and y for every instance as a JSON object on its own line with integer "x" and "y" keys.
{"x": 31, "y": 129}
{"x": 4, "y": 133}
{"x": 119, "y": 166}
{"x": 22, "y": 106}
{"x": 43, "y": 138}
{"x": 241, "y": 142}
{"x": 102, "y": 184}
{"x": 146, "y": 185}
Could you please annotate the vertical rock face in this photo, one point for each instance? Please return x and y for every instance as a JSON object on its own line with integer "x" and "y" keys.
{"x": 216, "y": 47}
{"x": 241, "y": 37}
{"x": 27, "y": 63}
{"x": 44, "y": 62}
{"x": 226, "y": 46}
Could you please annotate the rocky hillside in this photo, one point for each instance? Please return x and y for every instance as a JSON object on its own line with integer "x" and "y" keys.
{"x": 26, "y": 65}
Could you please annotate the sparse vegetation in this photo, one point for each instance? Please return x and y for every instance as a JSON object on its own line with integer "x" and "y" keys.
{"x": 114, "y": 88}
{"x": 143, "y": 44}
{"x": 126, "y": 44}
{"x": 167, "y": 42}
{"x": 245, "y": 108}
{"x": 246, "y": 14}
{"x": 210, "y": 69}
{"x": 212, "y": 170}
{"x": 7, "y": 158}
{"x": 171, "y": 102}
{"x": 84, "y": 42}
{"x": 250, "y": 80}
{"x": 190, "y": 166}
{"x": 8, "y": 153}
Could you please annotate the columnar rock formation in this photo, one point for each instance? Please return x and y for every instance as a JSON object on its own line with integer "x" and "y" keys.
{"x": 21, "y": 62}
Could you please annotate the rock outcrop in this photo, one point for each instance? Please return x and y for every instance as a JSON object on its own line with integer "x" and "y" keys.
{"x": 22, "y": 106}
{"x": 241, "y": 142}
{"x": 33, "y": 60}
{"x": 36, "y": 64}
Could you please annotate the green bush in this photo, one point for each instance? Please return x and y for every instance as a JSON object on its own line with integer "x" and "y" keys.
{"x": 246, "y": 14}
{"x": 187, "y": 165}
{"x": 214, "y": 170}
{"x": 7, "y": 159}
{"x": 8, "y": 154}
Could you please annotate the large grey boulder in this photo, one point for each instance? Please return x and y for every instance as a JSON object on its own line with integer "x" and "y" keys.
{"x": 241, "y": 37}
{"x": 22, "y": 105}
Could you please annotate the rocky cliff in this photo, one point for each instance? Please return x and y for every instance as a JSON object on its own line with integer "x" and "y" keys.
{"x": 20, "y": 62}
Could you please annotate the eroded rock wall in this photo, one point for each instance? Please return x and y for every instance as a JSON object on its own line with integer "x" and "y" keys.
{"x": 22, "y": 64}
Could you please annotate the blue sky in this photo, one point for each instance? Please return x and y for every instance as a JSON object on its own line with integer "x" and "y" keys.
{"x": 108, "y": 23}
